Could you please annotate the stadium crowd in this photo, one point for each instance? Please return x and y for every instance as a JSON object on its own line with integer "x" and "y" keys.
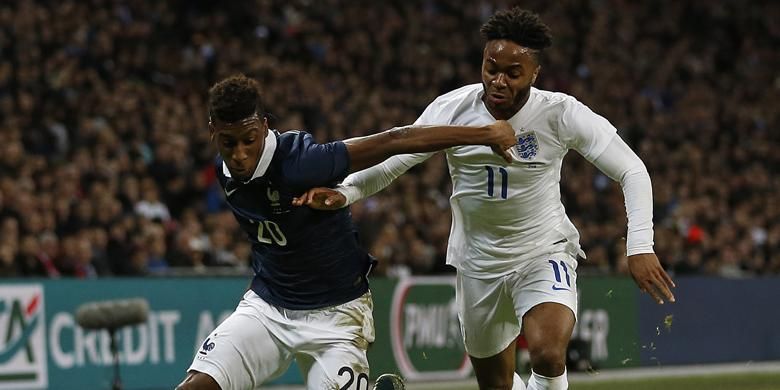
{"x": 106, "y": 168}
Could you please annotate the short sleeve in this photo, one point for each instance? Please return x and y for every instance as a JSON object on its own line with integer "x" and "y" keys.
{"x": 310, "y": 164}
{"x": 583, "y": 130}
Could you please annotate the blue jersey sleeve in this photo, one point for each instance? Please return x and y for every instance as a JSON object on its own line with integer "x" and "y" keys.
{"x": 310, "y": 164}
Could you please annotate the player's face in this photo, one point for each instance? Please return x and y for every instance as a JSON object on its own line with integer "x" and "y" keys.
{"x": 240, "y": 144}
{"x": 508, "y": 71}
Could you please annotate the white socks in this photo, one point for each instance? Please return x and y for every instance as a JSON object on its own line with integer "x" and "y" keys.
{"x": 517, "y": 383}
{"x": 540, "y": 382}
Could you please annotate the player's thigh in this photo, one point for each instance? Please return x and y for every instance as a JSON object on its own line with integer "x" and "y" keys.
{"x": 545, "y": 297}
{"x": 487, "y": 317}
{"x": 341, "y": 366}
{"x": 242, "y": 353}
{"x": 336, "y": 340}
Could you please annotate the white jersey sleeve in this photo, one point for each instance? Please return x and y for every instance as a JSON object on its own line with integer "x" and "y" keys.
{"x": 621, "y": 164}
{"x": 596, "y": 139}
{"x": 583, "y": 130}
{"x": 369, "y": 181}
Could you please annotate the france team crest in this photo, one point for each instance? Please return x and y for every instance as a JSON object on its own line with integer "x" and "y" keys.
{"x": 527, "y": 146}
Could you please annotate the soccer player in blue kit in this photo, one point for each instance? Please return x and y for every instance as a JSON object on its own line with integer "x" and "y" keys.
{"x": 309, "y": 299}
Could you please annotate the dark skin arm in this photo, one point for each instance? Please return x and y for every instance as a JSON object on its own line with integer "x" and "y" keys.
{"x": 365, "y": 152}
{"x": 321, "y": 198}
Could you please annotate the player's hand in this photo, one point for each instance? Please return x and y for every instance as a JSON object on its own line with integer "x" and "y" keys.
{"x": 651, "y": 277}
{"x": 321, "y": 198}
{"x": 502, "y": 139}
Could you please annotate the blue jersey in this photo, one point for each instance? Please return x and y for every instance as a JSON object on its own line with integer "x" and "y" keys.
{"x": 302, "y": 258}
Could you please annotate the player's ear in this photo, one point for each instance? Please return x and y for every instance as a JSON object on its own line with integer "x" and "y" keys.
{"x": 536, "y": 73}
{"x": 212, "y": 131}
{"x": 265, "y": 125}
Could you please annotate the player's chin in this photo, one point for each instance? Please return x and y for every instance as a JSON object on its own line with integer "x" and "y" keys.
{"x": 240, "y": 174}
{"x": 499, "y": 104}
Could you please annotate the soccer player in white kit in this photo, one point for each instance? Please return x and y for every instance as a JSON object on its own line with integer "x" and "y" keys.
{"x": 513, "y": 246}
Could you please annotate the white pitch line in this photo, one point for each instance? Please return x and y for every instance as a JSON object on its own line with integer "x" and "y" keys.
{"x": 614, "y": 374}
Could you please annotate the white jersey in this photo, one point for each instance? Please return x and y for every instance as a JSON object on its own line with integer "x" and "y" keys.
{"x": 505, "y": 214}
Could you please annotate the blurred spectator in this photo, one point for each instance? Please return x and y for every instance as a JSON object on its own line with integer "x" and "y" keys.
{"x": 150, "y": 206}
{"x": 154, "y": 241}
{"x": 105, "y": 167}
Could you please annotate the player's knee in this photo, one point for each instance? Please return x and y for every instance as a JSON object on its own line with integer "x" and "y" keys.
{"x": 548, "y": 361}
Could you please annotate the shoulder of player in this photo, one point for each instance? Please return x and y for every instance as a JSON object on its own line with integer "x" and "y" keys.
{"x": 294, "y": 147}
{"x": 290, "y": 142}
{"x": 555, "y": 104}
{"x": 294, "y": 142}
{"x": 553, "y": 98}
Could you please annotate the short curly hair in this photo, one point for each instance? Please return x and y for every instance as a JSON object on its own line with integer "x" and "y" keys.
{"x": 519, "y": 26}
{"x": 235, "y": 98}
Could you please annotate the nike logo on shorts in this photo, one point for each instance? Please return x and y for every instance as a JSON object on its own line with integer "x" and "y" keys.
{"x": 556, "y": 288}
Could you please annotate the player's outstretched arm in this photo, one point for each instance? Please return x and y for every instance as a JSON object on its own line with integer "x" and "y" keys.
{"x": 621, "y": 164}
{"x": 422, "y": 139}
{"x": 370, "y": 150}
{"x": 597, "y": 140}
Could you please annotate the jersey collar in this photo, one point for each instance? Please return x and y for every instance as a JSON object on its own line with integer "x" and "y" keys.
{"x": 265, "y": 159}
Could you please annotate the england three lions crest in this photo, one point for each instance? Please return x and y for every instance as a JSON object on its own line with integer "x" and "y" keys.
{"x": 527, "y": 146}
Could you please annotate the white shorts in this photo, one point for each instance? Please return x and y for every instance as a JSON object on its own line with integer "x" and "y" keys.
{"x": 258, "y": 341}
{"x": 491, "y": 310}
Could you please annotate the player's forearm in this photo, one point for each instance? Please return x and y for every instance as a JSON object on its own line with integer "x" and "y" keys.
{"x": 367, "y": 151}
{"x": 638, "y": 193}
{"x": 621, "y": 164}
{"x": 367, "y": 182}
